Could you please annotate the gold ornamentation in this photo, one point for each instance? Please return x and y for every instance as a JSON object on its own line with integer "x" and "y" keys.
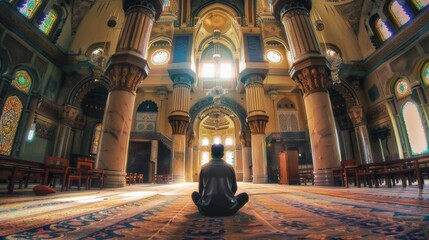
{"x": 125, "y": 76}
{"x": 257, "y": 123}
{"x": 312, "y": 79}
{"x": 356, "y": 115}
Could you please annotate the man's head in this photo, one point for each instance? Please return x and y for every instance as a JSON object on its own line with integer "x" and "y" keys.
{"x": 217, "y": 150}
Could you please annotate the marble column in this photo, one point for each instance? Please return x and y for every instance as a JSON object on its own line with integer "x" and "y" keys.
{"x": 257, "y": 120}
{"x": 154, "y": 156}
{"x": 246, "y": 156}
{"x": 179, "y": 120}
{"x": 311, "y": 72}
{"x": 64, "y": 131}
{"x": 125, "y": 69}
{"x": 362, "y": 137}
{"x": 393, "y": 119}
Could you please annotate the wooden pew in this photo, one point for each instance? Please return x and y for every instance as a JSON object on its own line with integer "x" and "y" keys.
{"x": 12, "y": 170}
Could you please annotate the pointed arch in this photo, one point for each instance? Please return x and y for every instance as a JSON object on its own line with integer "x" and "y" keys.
{"x": 48, "y": 22}
{"x": 30, "y": 7}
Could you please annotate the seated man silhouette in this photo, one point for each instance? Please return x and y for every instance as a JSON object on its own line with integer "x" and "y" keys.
{"x": 217, "y": 187}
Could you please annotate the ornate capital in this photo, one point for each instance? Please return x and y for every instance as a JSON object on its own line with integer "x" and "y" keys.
{"x": 70, "y": 114}
{"x": 179, "y": 124}
{"x": 312, "y": 79}
{"x": 125, "y": 76}
{"x": 356, "y": 115}
{"x": 182, "y": 80}
{"x": 280, "y": 7}
{"x": 257, "y": 123}
{"x": 253, "y": 79}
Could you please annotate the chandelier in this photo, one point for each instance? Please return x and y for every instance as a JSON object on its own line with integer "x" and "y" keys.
{"x": 98, "y": 60}
{"x": 217, "y": 91}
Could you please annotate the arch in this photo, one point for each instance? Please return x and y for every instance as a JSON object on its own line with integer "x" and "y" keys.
{"x": 146, "y": 117}
{"x": 147, "y": 106}
{"x": 204, "y": 7}
{"x": 348, "y": 93}
{"x": 162, "y": 39}
{"x": 275, "y": 40}
{"x": 9, "y": 122}
{"x": 226, "y": 103}
{"x": 84, "y": 86}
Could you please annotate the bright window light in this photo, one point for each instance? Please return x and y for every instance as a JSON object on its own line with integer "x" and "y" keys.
{"x": 415, "y": 130}
{"x": 205, "y": 142}
{"x": 205, "y": 158}
{"x": 226, "y": 70}
{"x": 228, "y": 141}
{"x": 208, "y": 70}
{"x": 217, "y": 140}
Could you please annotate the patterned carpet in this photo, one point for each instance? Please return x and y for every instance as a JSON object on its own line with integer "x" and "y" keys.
{"x": 147, "y": 211}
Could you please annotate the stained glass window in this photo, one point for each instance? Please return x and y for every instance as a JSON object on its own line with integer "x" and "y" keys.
{"x": 274, "y": 56}
{"x": 382, "y": 29}
{"x": 420, "y": 4}
{"x": 402, "y": 88}
{"x": 22, "y": 81}
{"x": 30, "y": 8}
{"x": 205, "y": 142}
{"x": 96, "y": 135}
{"x": 399, "y": 14}
{"x": 415, "y": 130}
{"x": 48, "y": 22}
{"x": 160, "y": 57}
{"x": 425, "y": 73}
{"x": 9, "y": 124}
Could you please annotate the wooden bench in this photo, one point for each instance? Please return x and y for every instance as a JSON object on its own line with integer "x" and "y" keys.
{"x": 56, "y": 168}
{"x": 12, "y": 170}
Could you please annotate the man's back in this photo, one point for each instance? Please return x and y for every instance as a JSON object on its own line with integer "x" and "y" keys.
{"x": 217, "y": 184}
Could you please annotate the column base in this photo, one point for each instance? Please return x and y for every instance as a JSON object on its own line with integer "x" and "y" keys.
{"x": 260, "y": 179}
{"x": 247, "y": 179}
{"x": 178, "y": 179}
{"x": 114, "y": 179}
{"x": 323, "y": 177}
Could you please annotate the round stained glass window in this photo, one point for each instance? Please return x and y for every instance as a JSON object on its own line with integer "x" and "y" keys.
{"x": 425, "y": 74}
{"x": 160, "y": 57}
{"x": 402, "y": 88}
{"x": 274, "y": 56}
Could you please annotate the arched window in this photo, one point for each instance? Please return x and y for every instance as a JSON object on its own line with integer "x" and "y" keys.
{"x": 229, "y": 157}
{"x": 382, "y": 30}
{"x": 414, "y": 126}
{"x": 205, "y": 157}
{"x": 147, "y": 117}
{"x": 205, "y": 141}
{"x": 22, "y": 81}
{"x": 229, "y": 141}
{"x": 398, "y": 13}
{"x": 48, "y": 22}
{"x": 402, "y": 88}
{"x": 420, "y": 4}
{"x": 425, "y": 74}
{"x": 30, "y": 7}
{"x": 10, "y": 117}
{"x": 96, "y": 135}
{"x": 217, "y": 140}
{"x": 217, "y": 67}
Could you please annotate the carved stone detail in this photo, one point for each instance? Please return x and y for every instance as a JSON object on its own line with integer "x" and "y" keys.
{"x": 257, "y": 123}
{"x": 69, "y": 114}
{"x": 125, "y": 76}
{"x": 312, "y": 79}
{"x": 179, "y": 124}
{"x": 245, "y": 138}
{"x": 356, "y": 115}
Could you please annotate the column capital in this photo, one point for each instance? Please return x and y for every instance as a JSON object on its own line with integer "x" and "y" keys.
{"x": 254, "y": 72}
{"x": 69, "y": 114}
{"x": 181, "y": 73}
{"x": 153, "y": 7}
{"x": 126, "y": 76}
{"x": 312, "y": 79}
{"x": 257, "y": 123}
{"x": 280, "y": 7}
{"x": 356, "y": 115}
{"x": 179, "y": 123}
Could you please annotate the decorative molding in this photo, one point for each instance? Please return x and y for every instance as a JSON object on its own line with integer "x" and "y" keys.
{"x": 69, "y": 114}
{"x": 79, "y": 10}
{"x": 312, "y": 79}
{"x": 246, "y": 138}
{"x": 45, "y": 130}
{"x": 356, "y": 115}
{"x": 352, "y": 12}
